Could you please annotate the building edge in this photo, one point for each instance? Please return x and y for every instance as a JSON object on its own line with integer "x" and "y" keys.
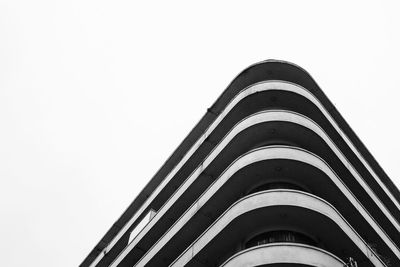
{"x": 265, "y": 70}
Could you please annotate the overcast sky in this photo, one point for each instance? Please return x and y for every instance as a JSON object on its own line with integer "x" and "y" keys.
{"x": 95, "y": 95}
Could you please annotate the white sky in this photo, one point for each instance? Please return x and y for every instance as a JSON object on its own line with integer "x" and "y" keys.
{"x": 95, "y": 95}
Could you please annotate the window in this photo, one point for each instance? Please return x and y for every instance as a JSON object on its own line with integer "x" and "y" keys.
{"x": 280, "y": 236}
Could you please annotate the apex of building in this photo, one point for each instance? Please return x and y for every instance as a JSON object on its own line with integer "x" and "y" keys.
{"x": 271, "y": 174}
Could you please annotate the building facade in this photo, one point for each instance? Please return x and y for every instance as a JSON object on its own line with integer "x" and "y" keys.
{"x": 272, "y": 175}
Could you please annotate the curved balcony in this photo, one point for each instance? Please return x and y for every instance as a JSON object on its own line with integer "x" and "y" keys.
{"x": 302, "y": 166}
{"x": 327, "y": 122}
{"x": 264, "y": 210}
{"x": 160, "y": 188}
{"x": 277, "y": 254}
{"x": 259, "y": 119}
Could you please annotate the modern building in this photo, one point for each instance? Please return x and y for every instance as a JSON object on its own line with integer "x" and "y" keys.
{"x": 272, "y": 175}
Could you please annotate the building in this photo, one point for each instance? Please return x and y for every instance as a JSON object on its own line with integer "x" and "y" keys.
{"x": 271, "y": 175}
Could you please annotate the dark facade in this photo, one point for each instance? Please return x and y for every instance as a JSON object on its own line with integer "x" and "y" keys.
{"x": 271, "y": 175}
